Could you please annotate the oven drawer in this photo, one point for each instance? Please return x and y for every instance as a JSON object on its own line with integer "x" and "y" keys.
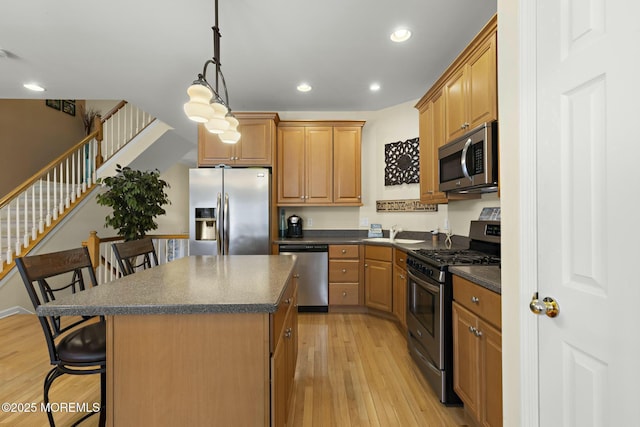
{"x": 431, "y": 344}
{"x": 480, "y": 301}
{"x": 431, "y": 372}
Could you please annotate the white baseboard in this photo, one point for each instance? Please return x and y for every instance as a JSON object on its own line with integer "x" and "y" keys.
{"x": 14, "y": 310}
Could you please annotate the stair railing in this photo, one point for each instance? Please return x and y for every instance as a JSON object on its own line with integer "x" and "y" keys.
{"x": 168, "y": 247}
{"x": 32, "y": 209}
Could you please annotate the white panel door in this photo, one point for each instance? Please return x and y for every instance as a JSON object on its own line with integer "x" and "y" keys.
{"x": 588, "y": 202}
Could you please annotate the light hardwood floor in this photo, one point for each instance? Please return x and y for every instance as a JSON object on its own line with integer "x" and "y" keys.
{"x": 353, "y": 370}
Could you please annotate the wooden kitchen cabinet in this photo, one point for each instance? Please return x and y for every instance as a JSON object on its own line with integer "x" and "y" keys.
{"x": 346, "y": 165}
{"x": 256, "y": 146}
{"x": 471, "y": 94}
{"x": 305, "y": 165}
{"x": 344, "y": 275}
{"x": 477, "y": 351}
{"x": 400, "y": 286}
{"x": 431, "y": 130}
{"x": 464, "y": 97}
{"x": 285, "y": 355}
{"x": 319, "y": 163}
{"x": 378, "y": 278}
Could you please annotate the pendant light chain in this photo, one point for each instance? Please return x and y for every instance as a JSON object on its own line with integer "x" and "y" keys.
{"x": 205, "y": 104}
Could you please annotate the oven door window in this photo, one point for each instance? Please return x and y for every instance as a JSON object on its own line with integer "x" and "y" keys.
{"x": 424, "y": 306}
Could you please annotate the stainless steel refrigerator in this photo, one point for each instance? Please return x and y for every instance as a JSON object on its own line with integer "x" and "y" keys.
{"x": 229, "y": 211}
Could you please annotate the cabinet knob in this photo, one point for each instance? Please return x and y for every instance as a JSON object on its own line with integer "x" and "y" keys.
{"x": 475, "y": 300}
{"x": 401, "y": 259}
{"x": 359, "y": 197}
{"x": 344, "y": 251}
{"x": 344, "y": 293}
{"x": 287, "y": 301}
{"x": 288, "y": 333}
{"x": 366, "y": 265}
{"x": 302, "y": 197}
{"x": 344, "y": 270}
{"x": 296, "y": 276}
{"x": 402, "y": 276}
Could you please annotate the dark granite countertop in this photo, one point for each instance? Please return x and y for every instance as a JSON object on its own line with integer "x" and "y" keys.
{"x": 459, "y": 242}
{"x": 195, "y": 284}
{"x": 487, "y": 276}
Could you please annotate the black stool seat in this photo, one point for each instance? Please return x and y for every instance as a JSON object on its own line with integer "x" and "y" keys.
{"x": 84, "y": 345}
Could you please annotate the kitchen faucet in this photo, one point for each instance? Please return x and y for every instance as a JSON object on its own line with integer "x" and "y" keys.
{"x": 393, "y": 231}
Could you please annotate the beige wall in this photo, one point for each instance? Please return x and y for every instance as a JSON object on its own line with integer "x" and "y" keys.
{"x": 397, "y": 123}
{"x": 512, "y": 303}
{"x": 31, "y": 135}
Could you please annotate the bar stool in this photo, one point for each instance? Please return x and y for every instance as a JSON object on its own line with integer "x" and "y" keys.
{"x": 78, "y": 348}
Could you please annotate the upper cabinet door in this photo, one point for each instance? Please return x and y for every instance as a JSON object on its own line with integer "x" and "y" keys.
{"x": 212, "y": 151}
{"x": 456, "y": 102}
{"x": 291, "y": 165}
{"x": 255, "y": 146}
{"x": 470, "y": 92}
{"x": 319, "y": 165}
{"x": 347, "y": 165}
{"x": 482, "y": 84}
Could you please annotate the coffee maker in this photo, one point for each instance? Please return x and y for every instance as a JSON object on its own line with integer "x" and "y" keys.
{"x": 294, "y": 226}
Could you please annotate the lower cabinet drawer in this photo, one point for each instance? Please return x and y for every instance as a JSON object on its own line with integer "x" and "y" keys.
{"x": 343, "y": 271}
{"x": 343, "y": 294}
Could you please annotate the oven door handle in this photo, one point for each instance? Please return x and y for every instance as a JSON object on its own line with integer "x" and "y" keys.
{"x": 428, "y": 286}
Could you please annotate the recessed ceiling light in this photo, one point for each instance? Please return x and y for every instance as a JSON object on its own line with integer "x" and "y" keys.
{"x": 400, "y": 35}
{"x": 34, "y": 87}
{"x": 374, "y": 87}
{"x": 304, "y": 87}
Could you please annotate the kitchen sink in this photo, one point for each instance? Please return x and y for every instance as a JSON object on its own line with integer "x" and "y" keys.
{"x": 387, "y": 240}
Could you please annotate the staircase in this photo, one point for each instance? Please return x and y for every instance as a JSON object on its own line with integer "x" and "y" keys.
{"x": 34, "y": 208}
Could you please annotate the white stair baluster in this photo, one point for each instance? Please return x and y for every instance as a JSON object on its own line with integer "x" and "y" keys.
{"x": 48, "y": 218}
{"x": 18, "y": 245}
{"x": 34, "y": 219}
{"x": 25, "y": 240}
{"x": 9, "y": 257}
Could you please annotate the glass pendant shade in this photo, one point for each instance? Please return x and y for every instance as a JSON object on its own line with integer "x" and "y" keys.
{"x": 199, "y": 108}
{"x": 217, "y": 123}
{"x": 231, "y": 135}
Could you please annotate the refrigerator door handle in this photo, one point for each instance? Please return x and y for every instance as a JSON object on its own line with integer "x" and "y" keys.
{"x": 218, "y": 223}
{"x": 226, "y": 223}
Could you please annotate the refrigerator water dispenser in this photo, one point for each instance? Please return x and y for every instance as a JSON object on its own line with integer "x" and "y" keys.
{"x": 205, "y": 223}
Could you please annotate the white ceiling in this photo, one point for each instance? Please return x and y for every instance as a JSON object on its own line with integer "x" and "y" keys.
{"x": 149, "y": 51}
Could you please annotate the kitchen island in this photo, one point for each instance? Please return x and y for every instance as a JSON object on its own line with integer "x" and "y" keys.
{"x": 198, "y": 341}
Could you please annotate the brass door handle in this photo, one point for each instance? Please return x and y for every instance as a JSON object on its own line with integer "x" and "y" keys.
{"x": 547, "y": 306}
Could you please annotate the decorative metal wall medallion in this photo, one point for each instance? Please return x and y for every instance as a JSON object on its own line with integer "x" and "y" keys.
{"x": 402, "y": 162}
{"x": 409, "y": 205}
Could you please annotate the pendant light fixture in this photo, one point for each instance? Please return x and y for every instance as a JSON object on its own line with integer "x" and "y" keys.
{"x": 205, "y": 104}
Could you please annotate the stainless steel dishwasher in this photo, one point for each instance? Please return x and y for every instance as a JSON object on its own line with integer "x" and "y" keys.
{"x": 313, "y": 270}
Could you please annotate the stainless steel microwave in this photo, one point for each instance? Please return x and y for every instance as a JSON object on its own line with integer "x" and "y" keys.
{"x": 469, "y": 164}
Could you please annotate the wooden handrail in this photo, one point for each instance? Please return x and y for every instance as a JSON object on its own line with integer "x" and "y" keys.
{"x": 42, "y": 172}
{"x": 97, "y": 134}
{"x": 93, "y": 243}
{"x": 113, "y": 111}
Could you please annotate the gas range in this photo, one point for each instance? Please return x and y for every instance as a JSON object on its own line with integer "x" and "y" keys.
{"x": 484, "y": 249}
{"x": 430, "y": 296}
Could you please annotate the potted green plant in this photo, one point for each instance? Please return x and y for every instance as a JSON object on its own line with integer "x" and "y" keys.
{"x": 136, "y": 198}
